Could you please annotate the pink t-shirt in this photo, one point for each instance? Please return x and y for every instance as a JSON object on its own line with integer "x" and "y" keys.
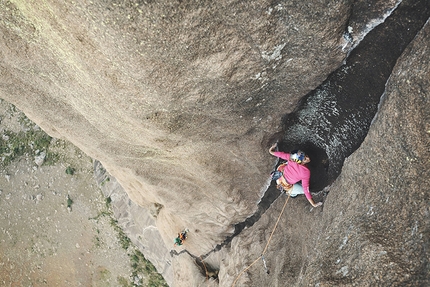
{"x": 294, "y": 172}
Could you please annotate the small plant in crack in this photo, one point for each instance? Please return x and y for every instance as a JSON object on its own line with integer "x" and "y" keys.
{"x": 70, "y": 170}
{"x": 69, "y": 203}
{"x": 108, "y": 201}
{"x": 107, "y": 179}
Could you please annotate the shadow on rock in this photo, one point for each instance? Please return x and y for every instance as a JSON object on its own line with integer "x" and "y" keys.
{"x": 331, "y": 122}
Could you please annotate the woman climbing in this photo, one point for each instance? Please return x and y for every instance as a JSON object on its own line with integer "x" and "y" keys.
{"x": 294, "y": 170}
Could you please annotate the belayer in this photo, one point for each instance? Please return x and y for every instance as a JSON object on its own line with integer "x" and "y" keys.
{"x": 294, "y": 170}
{"x": 181, "y": 238}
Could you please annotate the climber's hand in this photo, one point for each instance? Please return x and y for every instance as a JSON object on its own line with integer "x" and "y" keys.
{"x": 272, "y": 148}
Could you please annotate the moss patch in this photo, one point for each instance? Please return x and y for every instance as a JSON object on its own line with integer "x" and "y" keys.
{"x": 30, "y": 144}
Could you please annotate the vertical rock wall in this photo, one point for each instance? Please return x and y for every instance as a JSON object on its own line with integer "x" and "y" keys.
{"x": 373, "y": 229}
{"x": 171, "y": 97}
{"x": 178, "y": 101}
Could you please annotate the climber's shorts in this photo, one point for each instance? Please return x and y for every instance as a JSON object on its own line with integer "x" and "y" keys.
{"x": 282, "y": 185}
{"x": 281, "y": 182}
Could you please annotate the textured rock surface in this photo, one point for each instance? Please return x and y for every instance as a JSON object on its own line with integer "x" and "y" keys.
{"x": 374, "y": 226}
{"x": 378, "y": 210}
{"x": 137, "y": 222}
{"x": 170, "y": 98}
{"x": 179, "y": 100}
{"x": 332, "y": 121}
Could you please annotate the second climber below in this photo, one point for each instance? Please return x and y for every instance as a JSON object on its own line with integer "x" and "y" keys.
{"x": 292, "y": 172}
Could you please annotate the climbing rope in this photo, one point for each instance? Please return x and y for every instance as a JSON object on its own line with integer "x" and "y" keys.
{"x": 267, "y": 245}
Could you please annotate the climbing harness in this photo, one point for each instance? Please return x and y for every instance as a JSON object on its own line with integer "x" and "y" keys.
{"x": 281, "y": 181}
{"x": 267, "y": 245}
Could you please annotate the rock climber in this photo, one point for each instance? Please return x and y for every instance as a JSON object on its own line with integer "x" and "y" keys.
{"x": 181, "y": 238}
{"x": 293, "y": 171}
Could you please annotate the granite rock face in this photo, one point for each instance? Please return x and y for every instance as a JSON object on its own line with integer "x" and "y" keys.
{"x": 375, "y": 228}
{"x": 171, "y": 97}
{"x": 179, "y": 101}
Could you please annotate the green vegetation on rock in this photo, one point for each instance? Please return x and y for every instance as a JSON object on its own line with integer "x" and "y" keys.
{"x": 70, "y": 170}
{"x": 141, "y": 265}
{"x": 30, "y": 143}
{"x": 144, "y": 272}
{"x": 28, "y": 140}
